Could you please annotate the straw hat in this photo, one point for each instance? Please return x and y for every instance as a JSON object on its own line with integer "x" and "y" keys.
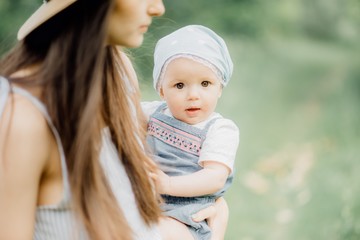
{"x": 46, "y": 11}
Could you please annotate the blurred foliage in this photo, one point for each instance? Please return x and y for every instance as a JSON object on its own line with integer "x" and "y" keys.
{"x": 295, "y": 95}
{"x": 12, "y": 15}
{"x": 326, "y": 20}
{"x": 330, "y": 20}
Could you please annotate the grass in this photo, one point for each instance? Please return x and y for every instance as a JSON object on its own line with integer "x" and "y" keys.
{"x": 296, "y": 104}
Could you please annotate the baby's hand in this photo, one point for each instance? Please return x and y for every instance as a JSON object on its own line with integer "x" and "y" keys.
{"x": 162, "y": 181}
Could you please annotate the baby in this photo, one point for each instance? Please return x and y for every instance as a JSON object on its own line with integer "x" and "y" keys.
{"x": 194, "y": 146}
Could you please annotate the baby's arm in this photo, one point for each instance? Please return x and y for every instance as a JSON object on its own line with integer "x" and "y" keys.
{"x": 217, "y": 158}
{"x": 209, "y": 180}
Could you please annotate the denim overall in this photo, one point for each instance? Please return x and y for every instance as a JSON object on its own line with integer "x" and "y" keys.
{"x": 176, "y": 147}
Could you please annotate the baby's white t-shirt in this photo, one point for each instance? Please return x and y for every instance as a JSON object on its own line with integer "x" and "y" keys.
{"x": 221, "y": 141}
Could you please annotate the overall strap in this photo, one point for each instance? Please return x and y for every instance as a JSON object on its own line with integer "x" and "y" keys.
{"x": 161, "y": 107}
{"x": 5, "y": 89}
{"x": 209, "y": 124}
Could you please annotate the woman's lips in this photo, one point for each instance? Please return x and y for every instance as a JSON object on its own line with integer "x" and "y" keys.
{"x": 144, "y": 28}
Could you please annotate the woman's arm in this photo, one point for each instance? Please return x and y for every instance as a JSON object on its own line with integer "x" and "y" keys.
{"x": 216, "y": 215}
{"x": 24, "y": 139}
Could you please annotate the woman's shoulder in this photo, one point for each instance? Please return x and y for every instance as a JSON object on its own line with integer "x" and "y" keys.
{"x": 24, "y": 151}
{"x": 24, "y": 132}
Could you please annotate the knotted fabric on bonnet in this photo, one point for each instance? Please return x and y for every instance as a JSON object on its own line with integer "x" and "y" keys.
{"x": 198, "y": 43}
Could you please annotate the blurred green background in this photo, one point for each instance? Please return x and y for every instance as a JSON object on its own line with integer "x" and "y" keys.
{"x": 295, "y": 96}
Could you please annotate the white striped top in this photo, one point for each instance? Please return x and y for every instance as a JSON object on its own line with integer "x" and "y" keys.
{"x": 57, "y": 222}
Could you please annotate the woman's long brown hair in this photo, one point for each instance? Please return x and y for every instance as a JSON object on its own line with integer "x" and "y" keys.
{"x": 84, "y": 90}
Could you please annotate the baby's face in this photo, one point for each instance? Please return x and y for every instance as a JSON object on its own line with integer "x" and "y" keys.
{"x": 190, "y": 89}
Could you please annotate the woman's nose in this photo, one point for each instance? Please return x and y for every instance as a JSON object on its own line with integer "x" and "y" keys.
{"x": 156, "y": 8}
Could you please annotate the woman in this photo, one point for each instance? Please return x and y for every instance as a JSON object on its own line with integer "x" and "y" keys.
{"x": 62, "y": 104}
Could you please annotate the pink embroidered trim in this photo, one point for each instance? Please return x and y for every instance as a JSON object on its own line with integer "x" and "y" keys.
{"x": 174, "y": 137}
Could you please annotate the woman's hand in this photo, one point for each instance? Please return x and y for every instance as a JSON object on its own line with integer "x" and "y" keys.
{"x": 217, "y": 218}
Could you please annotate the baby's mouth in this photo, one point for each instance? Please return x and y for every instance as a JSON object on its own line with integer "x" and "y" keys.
{"x": 192, "y": 109}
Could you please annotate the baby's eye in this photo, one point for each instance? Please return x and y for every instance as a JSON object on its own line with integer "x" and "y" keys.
{"x": 179, "y": 85}
{"x": 205, "y": 83}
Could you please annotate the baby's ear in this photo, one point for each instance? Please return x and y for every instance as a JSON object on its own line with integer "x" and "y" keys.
{"x": 220, "y": 91}
{"x": 161, "y": 93}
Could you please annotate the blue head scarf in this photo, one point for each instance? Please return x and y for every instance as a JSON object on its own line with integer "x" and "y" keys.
{"x": 193, "y": 40}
